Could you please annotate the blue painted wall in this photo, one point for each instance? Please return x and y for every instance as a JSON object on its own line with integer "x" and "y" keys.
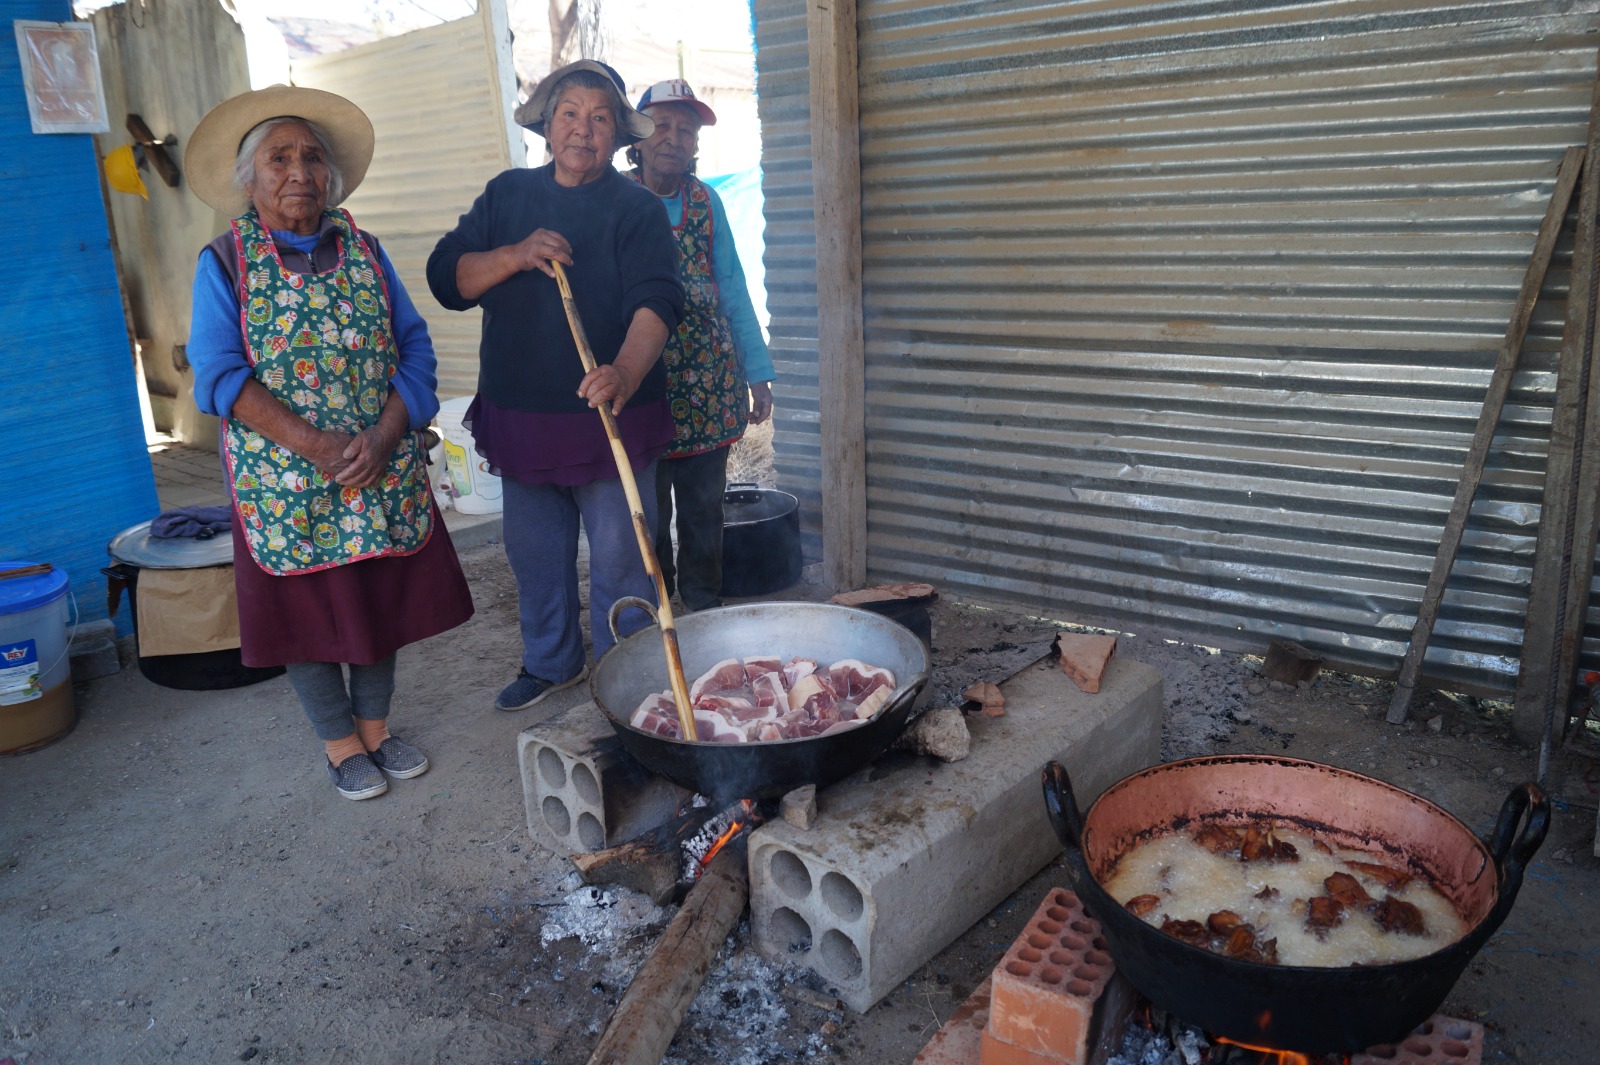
{"x": 74, "y": 469}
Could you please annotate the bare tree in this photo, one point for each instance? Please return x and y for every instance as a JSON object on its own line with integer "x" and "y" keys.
{"x": 577, "y": 31}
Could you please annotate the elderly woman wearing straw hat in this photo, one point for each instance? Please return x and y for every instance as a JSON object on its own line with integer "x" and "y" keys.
{"x": 304, "y": 341}
{"x": 533, "y": 416}
{"x": 719, "y": 373}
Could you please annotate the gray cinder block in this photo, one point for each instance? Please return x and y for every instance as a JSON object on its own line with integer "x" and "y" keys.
{"x": 582, "y": 791}
{"x": 909, "y": 853}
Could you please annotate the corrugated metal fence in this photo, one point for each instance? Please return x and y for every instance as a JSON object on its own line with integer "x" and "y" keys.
{"x": 1179, "y": 315}
{"x": 439, "y": 100}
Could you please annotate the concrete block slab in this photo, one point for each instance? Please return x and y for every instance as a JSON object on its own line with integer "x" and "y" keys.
{"x": 93, "y": 651}
{"x": 908, "y": 853}
{"x": 582, "y": 791}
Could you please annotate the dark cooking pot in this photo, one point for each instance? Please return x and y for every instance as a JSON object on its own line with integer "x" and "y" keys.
{"x": 636, "y": 667}
{"x": 760, "y": 541}
{"x": 134, "y": 550}
{"x": 1310, "y": 1010}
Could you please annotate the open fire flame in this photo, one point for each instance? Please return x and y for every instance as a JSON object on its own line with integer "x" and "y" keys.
{"x": 1240, "y": 1053}
{"x": 723, "y": 830}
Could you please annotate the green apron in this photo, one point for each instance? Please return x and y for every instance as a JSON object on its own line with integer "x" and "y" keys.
{"x": 321, "y": 344}
{"x": 705, "y": 376}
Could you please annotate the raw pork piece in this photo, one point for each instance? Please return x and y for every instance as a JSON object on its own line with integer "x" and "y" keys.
{"x": 853, "y": 681}
{"x": 725, "y": 678}
{"x": 712, "y": 727}
{"x": 814, "y": 696}
{"x": 755, "y": 667}
{"x": 797, "y": 668}
{"x": 769, "y": 690}
{"x": 658, "y": 714}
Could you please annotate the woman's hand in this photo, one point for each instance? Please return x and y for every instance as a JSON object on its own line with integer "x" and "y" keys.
{"x": 608, "y": 384}
{"x": 367, "y": 456}
{"x": 326, "y": 451}
{"x": 760, "y": 401}
{"x": 538, "y": 249}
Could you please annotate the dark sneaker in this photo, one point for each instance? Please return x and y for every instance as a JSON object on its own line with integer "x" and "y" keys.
{"x": 358, "y": 778}
{"x": 398, "y": 759}
{"x": 528, "y": 689}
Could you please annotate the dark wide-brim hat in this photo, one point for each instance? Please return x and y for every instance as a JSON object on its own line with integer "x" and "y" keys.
{"x": 214, "y": 145}
{"x": 634, "y": 127}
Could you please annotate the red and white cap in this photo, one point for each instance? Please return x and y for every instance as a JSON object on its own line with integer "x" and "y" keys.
{"x": 676, "y": 91}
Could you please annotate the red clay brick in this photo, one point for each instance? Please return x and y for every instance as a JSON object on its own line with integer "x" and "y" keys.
{"x": 1439, "y": 1040}
{"x": 1084, "y": 657}
{"x": 1046, "y": 985}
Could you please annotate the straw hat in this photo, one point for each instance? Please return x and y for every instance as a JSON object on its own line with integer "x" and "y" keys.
{"x": 634, "y": 126}
{"x": 214, "y": 145}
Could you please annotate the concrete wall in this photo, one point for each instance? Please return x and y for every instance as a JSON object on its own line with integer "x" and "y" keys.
{"x": 169, "y": 61}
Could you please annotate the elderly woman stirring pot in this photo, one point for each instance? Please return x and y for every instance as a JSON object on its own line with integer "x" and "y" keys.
{"x": 719, "y": 372}
{"x": 533, "y": 416}
{"x": 305, "y": 342}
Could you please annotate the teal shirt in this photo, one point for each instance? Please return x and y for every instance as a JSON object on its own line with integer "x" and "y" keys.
{"x": 732, "y": 293}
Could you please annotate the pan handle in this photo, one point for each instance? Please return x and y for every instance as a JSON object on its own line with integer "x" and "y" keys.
{"x": 1512, "y": 852}
{"x": 624, "y": 603}
{"x": 1062, "y": 807}
{"x": 1527, "y": 799}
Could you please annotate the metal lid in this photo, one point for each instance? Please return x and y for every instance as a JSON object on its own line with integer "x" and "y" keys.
{"x": 746, "y": 504}
{"x": 137, "y": 547}
{"x": 24, "y": 593}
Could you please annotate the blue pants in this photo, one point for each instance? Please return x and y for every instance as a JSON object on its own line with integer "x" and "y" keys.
{"x": 541, "y": 537}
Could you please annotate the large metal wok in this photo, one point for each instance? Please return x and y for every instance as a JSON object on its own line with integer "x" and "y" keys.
{"x": 635, "y": 668}
{"x": 1299, "y": 1008}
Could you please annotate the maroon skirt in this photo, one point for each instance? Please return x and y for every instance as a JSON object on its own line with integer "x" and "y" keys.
{"x": 361, "y": 612}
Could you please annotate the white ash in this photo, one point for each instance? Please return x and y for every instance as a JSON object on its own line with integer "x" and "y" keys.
{"x": 740, "y": 1016}
{"x": 599, "y": 916}
{"x": 1149, "y": 1046}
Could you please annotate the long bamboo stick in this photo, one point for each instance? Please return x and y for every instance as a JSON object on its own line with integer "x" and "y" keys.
{"x": 641, "y": 527}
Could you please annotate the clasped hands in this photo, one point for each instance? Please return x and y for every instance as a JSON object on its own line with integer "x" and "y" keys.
{"x": 355, "y": 460}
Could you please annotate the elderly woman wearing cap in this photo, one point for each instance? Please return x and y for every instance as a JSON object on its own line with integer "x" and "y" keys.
{"x": 304, "y": 341}
{"x": 719, "y": 373}
{"x": 532, "y": 417}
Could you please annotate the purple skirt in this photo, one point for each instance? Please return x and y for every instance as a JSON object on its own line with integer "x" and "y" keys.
{"x": 361, "y": 612}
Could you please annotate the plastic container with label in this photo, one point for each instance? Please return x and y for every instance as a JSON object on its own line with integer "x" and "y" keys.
{"x": 36, "y": 705}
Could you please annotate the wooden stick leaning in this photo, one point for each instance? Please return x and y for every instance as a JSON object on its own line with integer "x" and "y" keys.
{"x": 641, "y": 527}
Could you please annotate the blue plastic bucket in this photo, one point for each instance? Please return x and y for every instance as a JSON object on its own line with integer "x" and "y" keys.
{"x": 35, "y": 672}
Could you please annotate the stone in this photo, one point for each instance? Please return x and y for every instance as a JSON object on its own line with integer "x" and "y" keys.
{"x": 1436, "y": 724}
{"x": 942, "y": 733}
{"x": 94, "y": 651}
{"x": 799, "y": 807}
{"x": 1084, "y": 657}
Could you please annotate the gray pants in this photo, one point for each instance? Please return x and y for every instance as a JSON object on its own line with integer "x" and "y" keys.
{"x": 332, "y": 708}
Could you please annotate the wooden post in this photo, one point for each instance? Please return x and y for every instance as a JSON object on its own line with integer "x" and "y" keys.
{"x": 1494, "y": 403}
{"x": 645, "y": 1021}
{"x": 836, "y": 205}
{"x": 1542, "y": 690}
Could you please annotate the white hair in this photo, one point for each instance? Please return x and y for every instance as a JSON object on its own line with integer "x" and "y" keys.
{"x": 244, "y": 165}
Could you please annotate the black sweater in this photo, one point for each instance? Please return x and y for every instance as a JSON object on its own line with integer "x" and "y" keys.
{"x": 623, "y": 258}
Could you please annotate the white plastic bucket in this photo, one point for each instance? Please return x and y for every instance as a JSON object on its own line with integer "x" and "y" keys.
{"x": 474, "y": 490}
{"x": 35, "y": 696}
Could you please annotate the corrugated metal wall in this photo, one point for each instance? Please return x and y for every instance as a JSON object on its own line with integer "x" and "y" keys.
{"x": 440, "y": 100}
{"x": 1179, "y": 315}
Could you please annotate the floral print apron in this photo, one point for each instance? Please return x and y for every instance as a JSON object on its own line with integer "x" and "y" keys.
{"x": 321, "y": 344}
{"x": 705, "y": 376}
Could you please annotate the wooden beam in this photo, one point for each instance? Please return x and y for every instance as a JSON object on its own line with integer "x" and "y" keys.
{"x": 1494, "y": 403}
{"x": 1541, "y": 689}
{"x": 645, "y": 1021}
{"x": 836, "y": 206}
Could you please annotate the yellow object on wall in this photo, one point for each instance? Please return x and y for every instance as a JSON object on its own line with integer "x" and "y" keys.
{"x": 122, "y": 172}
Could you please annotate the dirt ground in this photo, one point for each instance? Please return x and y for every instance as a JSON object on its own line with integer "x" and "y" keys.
{"x": 179, "y": 881}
